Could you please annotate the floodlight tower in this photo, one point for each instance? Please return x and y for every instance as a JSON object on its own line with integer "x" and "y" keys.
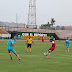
{"x": 32, "y": 13}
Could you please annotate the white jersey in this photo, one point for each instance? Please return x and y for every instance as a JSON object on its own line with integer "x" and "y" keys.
{"x": 43, "y": 37}
{"x": 54, "y": 39}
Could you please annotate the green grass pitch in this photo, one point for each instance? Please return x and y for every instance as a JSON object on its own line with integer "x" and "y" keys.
{"x": 60, "y": 61}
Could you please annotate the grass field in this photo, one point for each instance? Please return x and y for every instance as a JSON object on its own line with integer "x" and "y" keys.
{"x": 60, "y": 61}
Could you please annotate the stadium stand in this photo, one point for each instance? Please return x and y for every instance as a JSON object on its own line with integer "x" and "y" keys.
{"x": 63, "y": 34}
{"x": 3, "y": 32}
{"x": 27, "y": 30}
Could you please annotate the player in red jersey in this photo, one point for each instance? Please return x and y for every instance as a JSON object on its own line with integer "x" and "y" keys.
{"x": 43, "y": 39}
{"x": 50, "y": 49}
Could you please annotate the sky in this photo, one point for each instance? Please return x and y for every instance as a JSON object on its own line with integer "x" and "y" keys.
{"x": 60, "y": 10}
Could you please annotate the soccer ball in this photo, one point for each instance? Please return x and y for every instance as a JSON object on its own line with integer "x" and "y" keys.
{"x": 44, "y": 53}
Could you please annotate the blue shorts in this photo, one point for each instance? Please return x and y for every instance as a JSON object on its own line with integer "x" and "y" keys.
{"x": 13, "y": 50}
{"x": 67, "y": 45}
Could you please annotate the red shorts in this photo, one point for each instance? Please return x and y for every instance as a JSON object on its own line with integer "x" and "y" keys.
{"x": 52, "y": 48}
{"x": 42, "y": 40}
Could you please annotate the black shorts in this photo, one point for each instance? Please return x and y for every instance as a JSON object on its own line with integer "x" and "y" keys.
{"x": 28, "y": 45}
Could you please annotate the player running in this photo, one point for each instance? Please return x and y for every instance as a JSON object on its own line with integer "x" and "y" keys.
{"x": 10, "y": 48}
{"x": 50, "y": 49}
{"x": 43, "y": 39}
{"x": 29, "y": 42}
{"x": 15, "y": 38}
{"x": 67, "y": 41}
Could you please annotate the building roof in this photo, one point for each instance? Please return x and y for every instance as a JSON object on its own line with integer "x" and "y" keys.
{"x": 17, "y": 23}
{"x": 68, "y": 26}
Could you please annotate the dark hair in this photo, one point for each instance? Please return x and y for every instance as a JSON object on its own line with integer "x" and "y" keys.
{"x": 11, "y": 37}
{"x": 51, "y": 39}
{"x": 67, "y": 37}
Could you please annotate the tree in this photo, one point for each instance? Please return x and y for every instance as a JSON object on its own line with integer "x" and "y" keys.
{"x": 48, "y": 25}
{"x": 52, "y": 21}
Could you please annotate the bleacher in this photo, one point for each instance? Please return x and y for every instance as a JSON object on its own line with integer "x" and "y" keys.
{"x": 27, "y": 30}
{"x": 3, "y": 32}
{"x": 63, "y": 34}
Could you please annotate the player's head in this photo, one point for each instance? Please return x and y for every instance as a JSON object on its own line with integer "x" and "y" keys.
{"x": 51, "y": 40}
{"x": 12, "y": 38}
{"x": 29, "y": 37}
{"x": 51, "y": 36}
{"x": 67, "y": 38}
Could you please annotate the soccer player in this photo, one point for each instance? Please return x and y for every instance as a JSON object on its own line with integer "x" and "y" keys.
{"x": 29, "y": 42}
{"x": 50, "y": 49}
{"x": 10, "y": 48}
{"x": 43, "y": 39}
{"x": 67, "y": 41}
{"x": 15, "y": 38}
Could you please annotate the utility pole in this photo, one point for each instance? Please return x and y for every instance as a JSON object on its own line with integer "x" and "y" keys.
{"x": 17, "y": 21}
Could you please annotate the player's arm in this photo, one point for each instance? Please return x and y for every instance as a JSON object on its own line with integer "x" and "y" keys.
{"x": 50, "y": 43}
{"x": 32, "y": 41}
{"x": 65, "y": 43}
{"x": 13, "y": 45}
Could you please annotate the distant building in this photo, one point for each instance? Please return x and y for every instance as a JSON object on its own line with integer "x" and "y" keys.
{"x": 68, "y": 27}
{"x": 8, "y": 24}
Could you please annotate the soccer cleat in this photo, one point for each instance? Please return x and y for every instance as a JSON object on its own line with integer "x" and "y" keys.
{"x": 30, "y": 52}
{"x": 48, "y": 56}
{"x": 20, "y": 59}
{"x": 11, "y": 57}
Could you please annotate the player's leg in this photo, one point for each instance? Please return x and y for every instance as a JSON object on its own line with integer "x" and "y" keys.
{"x": 48, "y": 53}
{"x": 10, "y": 54}
{"x": 30, "y": 48}
{"x": 16, "y": 54}
{"x": 67, "y": 49}
{"x": 27, "y": 47}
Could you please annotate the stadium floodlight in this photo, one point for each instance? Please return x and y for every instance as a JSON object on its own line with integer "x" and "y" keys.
{"x": 32, "y": 13}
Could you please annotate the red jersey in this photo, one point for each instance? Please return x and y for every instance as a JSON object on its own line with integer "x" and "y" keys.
{"x": 42, "y": 39}
{"x": 53, "y": 43}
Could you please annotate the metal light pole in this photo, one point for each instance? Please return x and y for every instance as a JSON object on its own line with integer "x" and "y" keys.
{"x": 17, "y": 21}
{"x": 32, "y": 13}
